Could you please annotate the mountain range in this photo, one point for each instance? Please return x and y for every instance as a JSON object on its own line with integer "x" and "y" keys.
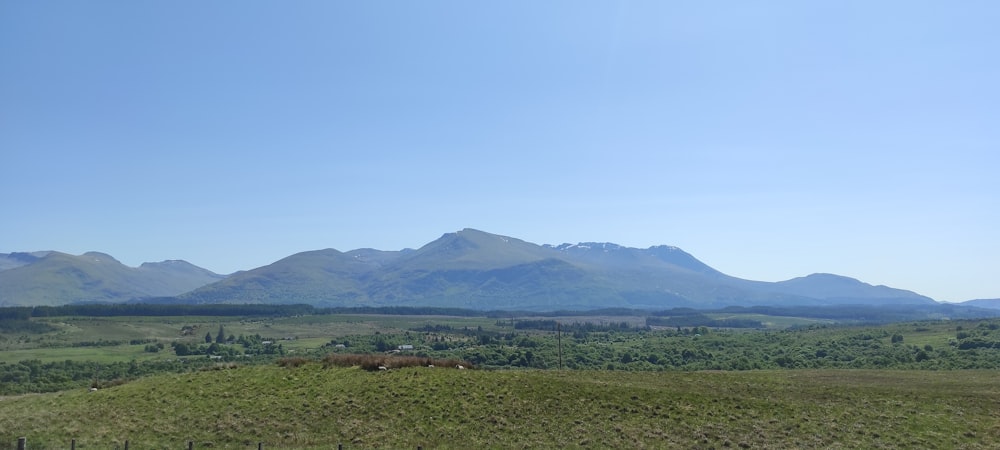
{"x": 467, "y": 269}
{"x": 53, "y": 278}
{"x": 478, "y": 270}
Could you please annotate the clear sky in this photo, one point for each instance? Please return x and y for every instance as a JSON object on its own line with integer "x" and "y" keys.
{"x": 768, "y": 139}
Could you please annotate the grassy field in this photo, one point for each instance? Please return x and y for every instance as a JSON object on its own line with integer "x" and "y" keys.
{"x": 312, "y": 407}
{"x": 775, "y": 322}
{"x": 117, "y": 353}
{"x": 297, "y": 334}
{"x": 642, "y": 403}
{"x": 304, "y": 333}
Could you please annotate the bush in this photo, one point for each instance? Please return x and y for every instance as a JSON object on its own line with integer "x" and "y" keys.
{"x": 104, "y": 384}
{"x": 219, "y": 366}
{"x": 293, "y": 362}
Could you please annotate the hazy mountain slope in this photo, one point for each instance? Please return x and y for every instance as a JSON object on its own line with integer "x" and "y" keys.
{"x": 991, "y": 303}
{"x": 321, "y": 277}
{"x": 59, "y": 278}
{"x": 475, "y": 269}
{"x": 176, "y": 276}
{"x": 651, "y": 277}
{"x": 841, "y": 289}
{"x": 17, "y": 259}
{"x": 526, "y": 286}
{"x": 609, "y": 255}
{"x": 468, "y": 269}
{"x": 471, "y": 249}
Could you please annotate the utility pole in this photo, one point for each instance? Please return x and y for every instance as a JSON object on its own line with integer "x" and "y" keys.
{"x": 559, "y": 340}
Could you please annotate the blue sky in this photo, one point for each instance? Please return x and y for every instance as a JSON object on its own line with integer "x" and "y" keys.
{"x": 769, "y": 139}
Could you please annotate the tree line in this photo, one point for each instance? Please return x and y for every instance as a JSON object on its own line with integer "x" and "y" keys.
{"x": 869, "y": 314}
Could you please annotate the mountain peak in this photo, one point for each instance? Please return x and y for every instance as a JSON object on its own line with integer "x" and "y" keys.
{"x": 474, "y": 234}
{"x": 99, "y": 257}
{"x": 474, "y": 248}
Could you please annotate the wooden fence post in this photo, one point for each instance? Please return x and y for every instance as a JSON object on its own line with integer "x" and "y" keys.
{"x": 190, "y": 445}
{"x": 126, "y": 444}
{"x": 22, "y": 443}
{"x": 72, "y": 444}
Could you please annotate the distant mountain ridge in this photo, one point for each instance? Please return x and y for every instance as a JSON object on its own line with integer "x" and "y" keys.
{"x": 54, "y": 278}
{"x": 18, "y": 259}
{"x": 478, "y": 270}
{"x": 467, "y": 269}
{"x": 991, "y": 303}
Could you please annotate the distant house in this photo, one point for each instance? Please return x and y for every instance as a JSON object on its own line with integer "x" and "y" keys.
{"x": 406, "y": 347}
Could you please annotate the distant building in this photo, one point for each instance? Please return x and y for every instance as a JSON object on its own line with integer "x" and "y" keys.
{"x": 406, "y": 347}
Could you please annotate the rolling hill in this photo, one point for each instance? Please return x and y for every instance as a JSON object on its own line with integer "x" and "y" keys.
{"x": 54, "y": 278}
{"x": 478, "y": 270}
{"x": 312, "y": 407}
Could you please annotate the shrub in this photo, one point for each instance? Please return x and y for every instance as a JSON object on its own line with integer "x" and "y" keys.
{"x": 219, "y": 366}
{"x": 104, "y": 384}
{"x": 293, "y": 362}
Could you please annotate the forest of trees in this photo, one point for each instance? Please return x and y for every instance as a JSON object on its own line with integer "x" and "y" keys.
{"x": 705, "y": 348}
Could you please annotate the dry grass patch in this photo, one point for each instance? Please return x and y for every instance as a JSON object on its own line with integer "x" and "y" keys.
{"x": 376, "y": 362}
{"x": 293, "y": 362}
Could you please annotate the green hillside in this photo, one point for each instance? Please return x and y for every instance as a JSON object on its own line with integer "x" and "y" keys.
{"x": 58, "y": 278}
{"x": 318, "y": 277}
{"x": 313, "y": 407}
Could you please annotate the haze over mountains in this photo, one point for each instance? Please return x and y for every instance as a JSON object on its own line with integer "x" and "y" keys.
{"x": 467, "y": 269}
{"x": 54, "y": 278}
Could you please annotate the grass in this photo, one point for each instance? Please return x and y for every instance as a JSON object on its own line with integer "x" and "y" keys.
{"x": 774, "y": 322}
{"x": 116, "y": 353}
{"x": 310, "y": 406}
{"x": 309, "y": 331}
{"x": 378, "y": 362}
